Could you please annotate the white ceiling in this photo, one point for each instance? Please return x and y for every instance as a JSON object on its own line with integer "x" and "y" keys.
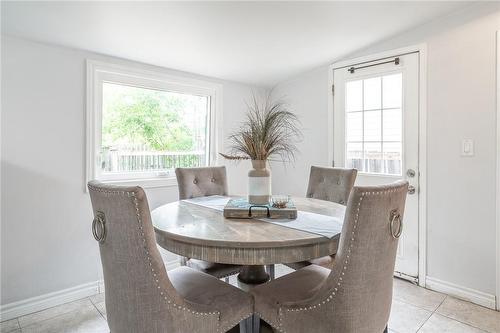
{"x": 260, "y": 43}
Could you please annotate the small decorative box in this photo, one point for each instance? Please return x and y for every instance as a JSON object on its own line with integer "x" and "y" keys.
{"x": 242, "y": 209}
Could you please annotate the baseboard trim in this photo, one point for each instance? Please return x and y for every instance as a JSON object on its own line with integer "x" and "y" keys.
{"x": 42, "y": 302}
{"x": 464, "y": 293}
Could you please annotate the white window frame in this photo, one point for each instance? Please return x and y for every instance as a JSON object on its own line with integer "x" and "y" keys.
{"x": 99, "y": 72}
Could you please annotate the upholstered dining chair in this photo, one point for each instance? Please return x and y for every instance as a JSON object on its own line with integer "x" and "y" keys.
{"x": 330, "y": 184}
{"x": 355, "y": 295}
{"x": 140, "y": 295}
{"x": 200, "y": 182}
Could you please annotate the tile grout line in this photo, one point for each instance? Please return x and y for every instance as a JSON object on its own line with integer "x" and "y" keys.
{"x": 432, "y": 313}
{"x": 18, "y": 329}
{"x": 417, "y": 306}
{"x": 441, "y": 314}
{"x": 425, "y": 321}
{"x": 422, "y": 308}
{"x": 22, "y": 327}
{"x": 444, "y": 299}
{"x": 461, "y": 322}
{"x": 458, "y": 321}
{"x": 95, "y": 307}
{"x": 41, "y": 321}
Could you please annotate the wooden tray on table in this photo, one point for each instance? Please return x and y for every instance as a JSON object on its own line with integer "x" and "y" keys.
{"x": 242, "y": 209}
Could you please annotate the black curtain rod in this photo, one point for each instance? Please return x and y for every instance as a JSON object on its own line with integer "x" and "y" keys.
{"x": 395, "y": 61}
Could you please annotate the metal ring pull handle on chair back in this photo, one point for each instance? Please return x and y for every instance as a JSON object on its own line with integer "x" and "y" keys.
{"x": 99, "y": 227}
{"x": 395, "y": 216}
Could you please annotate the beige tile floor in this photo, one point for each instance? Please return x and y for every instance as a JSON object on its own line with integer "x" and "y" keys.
{"x": 414, "y": 309}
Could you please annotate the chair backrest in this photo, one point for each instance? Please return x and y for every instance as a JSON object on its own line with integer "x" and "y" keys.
{"x": 200, "y": 182}
{"x": 139, "y": 295}
{"x": 331, "y": 184}
{"x": 364, "y": 264}
{"x": 356, "y": 297}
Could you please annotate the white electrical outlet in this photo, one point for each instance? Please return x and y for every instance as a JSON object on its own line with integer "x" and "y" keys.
{"x": 467, "y": 147}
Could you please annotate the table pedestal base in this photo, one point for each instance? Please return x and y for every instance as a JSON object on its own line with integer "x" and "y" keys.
{"x": 252, "y": 275}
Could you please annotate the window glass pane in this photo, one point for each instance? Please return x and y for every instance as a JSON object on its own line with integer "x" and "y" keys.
{"x": 354, "y": 95}
{"x": 152, "y": 130}
{"x": 392, "y": 125}
{"x": 373, "y": 126}
{"x": 354, "y": 126}
{"x": 392, "y": 158}
{"x": 354, "y": 156}
{"x": 372, "y": 93}
{"x": 373, "y": 157}
{"x": 392, "y": 90}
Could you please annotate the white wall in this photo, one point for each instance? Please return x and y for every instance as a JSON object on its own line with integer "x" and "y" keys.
{"x": 461, "y": 104}
{"x": 307, "y": 96}
{"x": 46, "y": 243}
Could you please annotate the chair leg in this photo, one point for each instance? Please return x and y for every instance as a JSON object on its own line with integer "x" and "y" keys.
{"x": 386, "y": 330}
{"x": 184, "y": 261}
{"x": 226, "y": 279}
{"x": 256, "y": 323}
{"x": 270, "y": 270}
{"x": 246, "y": 325}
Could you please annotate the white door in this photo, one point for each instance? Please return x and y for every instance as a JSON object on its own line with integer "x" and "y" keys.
{"x": 376, "y": 131}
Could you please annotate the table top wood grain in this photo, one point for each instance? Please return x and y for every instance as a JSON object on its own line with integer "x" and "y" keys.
{"x": 203, "y": 233}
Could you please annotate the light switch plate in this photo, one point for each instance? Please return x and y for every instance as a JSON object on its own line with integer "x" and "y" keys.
{"x": 467, "y": 147}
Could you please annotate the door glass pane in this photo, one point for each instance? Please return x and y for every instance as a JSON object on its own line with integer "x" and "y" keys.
{"x": 372, "y": 93}
{"x": 354, "y": 126}
{"x": 392, "y": 125}
{"x": 373, "y": 157}
{"x": 354, "y": 96}
{"x": 372, "y": 126}
{"x": 392, "y": 158}
{"x": 393, "y": 91}
{"x": 354, "y": 156}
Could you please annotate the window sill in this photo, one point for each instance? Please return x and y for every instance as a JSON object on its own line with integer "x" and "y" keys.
{"x": 144, "y": 183}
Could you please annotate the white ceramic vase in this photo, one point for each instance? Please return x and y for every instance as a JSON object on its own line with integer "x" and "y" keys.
{"x": 259, "y": 183}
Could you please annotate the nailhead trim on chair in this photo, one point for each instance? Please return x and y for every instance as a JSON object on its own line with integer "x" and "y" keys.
{"x": 170, "y": 303}
{"x": 176, "y": 306}
{"x": 339, "y": 281}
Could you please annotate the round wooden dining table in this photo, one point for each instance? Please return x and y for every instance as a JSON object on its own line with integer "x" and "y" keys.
{"x": 200, "y": 232}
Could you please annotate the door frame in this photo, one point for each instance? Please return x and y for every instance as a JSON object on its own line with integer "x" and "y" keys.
{"x": 422, "y": 137}
{"x": 498, "y": 174}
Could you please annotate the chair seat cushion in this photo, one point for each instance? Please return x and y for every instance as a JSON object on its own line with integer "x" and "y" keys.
{"x": 326, "y": 261}
{"x": 214, "y": 269}
{"x": 233, "y": 304}
{"x": 293, "y": 287}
